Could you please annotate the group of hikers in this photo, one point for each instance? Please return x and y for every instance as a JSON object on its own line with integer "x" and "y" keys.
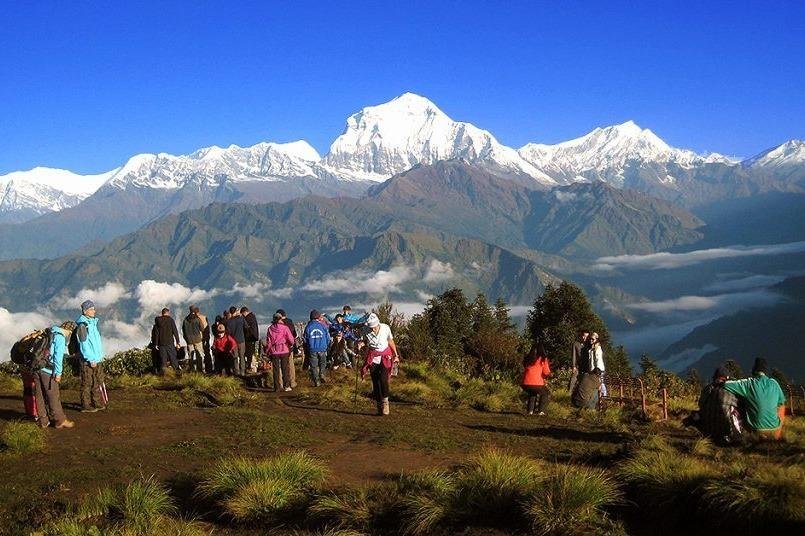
{"x": 727, "y": 407}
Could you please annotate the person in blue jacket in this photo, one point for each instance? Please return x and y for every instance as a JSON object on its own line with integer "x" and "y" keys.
{"x": 317, "y": 340}
{"x": 48, "y": 397}
{"x": 90, "y": 356}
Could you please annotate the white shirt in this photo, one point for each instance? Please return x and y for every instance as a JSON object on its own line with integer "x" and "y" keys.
{"x": 596, "y": 357}
{"x": 380, "y": 341}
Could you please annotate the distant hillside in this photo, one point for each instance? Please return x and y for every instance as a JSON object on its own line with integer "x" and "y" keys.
{"x": 771, "y": 332}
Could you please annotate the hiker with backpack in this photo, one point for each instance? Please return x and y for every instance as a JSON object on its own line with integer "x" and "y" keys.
{"x": 535, "y": 369}
{"x": 40, "y": 356}
{"x": 719, "y": 417}
{"x": 193, "y": 333}
{"x": 88, "y": 346}
{"x": 381, "y": 357}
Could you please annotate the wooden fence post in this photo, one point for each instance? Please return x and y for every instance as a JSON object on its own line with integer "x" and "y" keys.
{"x": 664, "y": 404}
{"x": 643, "y": 397}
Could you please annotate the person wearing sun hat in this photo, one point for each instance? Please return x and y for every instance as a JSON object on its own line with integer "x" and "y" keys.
{"x": 90, "y": 356}
{"x": 381, "y": 354}
{"x": 763, "y": 399}
{"x": 223, "y": 349}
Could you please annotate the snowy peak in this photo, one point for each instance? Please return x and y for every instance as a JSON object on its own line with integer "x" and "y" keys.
{"x": 605, "y": 152}
{"x": 27, "y": 194}
{"x": 210, "y": 166}
{"x": 383, "y": 140}
{"x": 791, "y": 153}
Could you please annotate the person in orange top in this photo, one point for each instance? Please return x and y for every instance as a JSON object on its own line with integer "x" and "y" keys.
{"x": 536, "y": 370}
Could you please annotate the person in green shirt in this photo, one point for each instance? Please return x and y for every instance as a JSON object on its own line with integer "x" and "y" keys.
{"x": 762, "y": 398}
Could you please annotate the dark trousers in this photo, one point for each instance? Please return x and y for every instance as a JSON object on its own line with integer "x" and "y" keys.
{"x": 281, "y": 370}
{"x": 48, "y": 399}
{"x": 539, "y": 396}
{"x": 209, "y": 365}
{"x": 240, "y": 358}
{"x": 91, "y": 380}
{"x": 318, "y": 366}
{"x": 251, "y": 354}
{"x": 167, "y": 353}
{"x": 380, "y": 382}
{"x": 224, "y": 363}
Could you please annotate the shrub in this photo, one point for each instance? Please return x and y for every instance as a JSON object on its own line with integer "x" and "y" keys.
{"x": 571, "y": 500}
{"x": 22, "y": 438}
{"x": 136, "y": 361}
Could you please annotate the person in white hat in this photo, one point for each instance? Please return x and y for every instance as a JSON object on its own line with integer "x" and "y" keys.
{"x": 381, "y": 354}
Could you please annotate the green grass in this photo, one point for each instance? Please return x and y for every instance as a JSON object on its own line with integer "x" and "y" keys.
{"x": 427, "y": 501}
{"x": 10, "y": 383}
{"x": 19, "y": 438}
{"x": 263, "y": 490}
{"x": 572, "y": 500}
{"x": 348, "y": 508}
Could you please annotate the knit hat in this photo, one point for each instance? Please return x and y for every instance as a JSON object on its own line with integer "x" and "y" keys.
{"x": 315, "y": 314}
{"x": 721, "y": 372}
{"x": 373, "y": 321}
{"x": 87, "y": 305}
{"x": 760, "y": 366}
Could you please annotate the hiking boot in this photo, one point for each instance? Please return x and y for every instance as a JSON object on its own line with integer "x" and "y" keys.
{"x": 89, "y": 410}
{"x": 43, "y": 422}
{"x": 288, "y": 389}
{"x": 385, "y": 407}
{"x": 100, "y": 408}
{"x": 66, "y": 423}
{"x": 541, "y": 413}
{"x": 379, "y": 407}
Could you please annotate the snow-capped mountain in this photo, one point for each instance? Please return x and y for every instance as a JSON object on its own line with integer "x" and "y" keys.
{"x": 27, "y": 194}
{"x": 605, "y": 153}
{"x": 383, "y": 140}
{"x": 213, "y": 166}
{"x": 791, "y": 153}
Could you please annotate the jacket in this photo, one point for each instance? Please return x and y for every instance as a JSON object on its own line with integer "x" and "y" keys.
{"x": 58, "y": 347}
{"x": 164, "y": 332}
{"x": 192, "y": 329}
{"x": 224, "y": 345}
{"x": 90, "y": 345}
{"x": 251, "y": 329}
{"x": 317, "y": 337}
{"x": 236, "y": 326}
{"x": 279, "y": 339}
{"x": 535, "y": 373}
{"x": 762, "y": 395}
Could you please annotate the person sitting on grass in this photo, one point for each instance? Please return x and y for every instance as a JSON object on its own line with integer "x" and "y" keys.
{"x": 536, "y": 369}
{"x": 339, "y": 352}
{"x": 763, "y": 399}
{"x": 718, "y": 416}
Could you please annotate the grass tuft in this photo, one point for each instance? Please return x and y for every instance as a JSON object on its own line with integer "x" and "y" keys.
{"x": 142, "y": 503}
{"x": 427, "y": 503}
{"x": 22, "y": 438}
{"x": 348, "y": 508}
{"x": 572, "y": 500}
{"x": 10, "y": 383}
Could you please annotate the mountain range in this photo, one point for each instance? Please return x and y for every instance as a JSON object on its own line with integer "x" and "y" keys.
{"x": 377, "y": 143}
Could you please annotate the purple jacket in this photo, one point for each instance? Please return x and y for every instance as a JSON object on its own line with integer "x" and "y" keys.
{"x": 279, "y": 339}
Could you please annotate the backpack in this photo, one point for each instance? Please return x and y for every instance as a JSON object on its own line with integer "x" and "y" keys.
{"x": 32, "y": 352}
{"x": 73, "y": 346}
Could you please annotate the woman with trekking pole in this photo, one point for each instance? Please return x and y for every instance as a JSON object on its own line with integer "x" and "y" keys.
{"x": 381, "y": 358}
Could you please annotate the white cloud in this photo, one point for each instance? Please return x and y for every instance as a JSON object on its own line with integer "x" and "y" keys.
{"x": 682, "y": 360}
{"x": 361, "y": 281}
{"x": 744, "y": 283}
{"x": 438, "y": 271}
{"x": 723, "y": 302}
{"x": 517, "y": 311}
{"x": 260, "y": 291}
{"x": 103, "y": 296}
{"x": 423, "y": 296}
{"x": 153, "y": 296}
{"x": 564, "y": 197}
{"x": 665, "y": 261}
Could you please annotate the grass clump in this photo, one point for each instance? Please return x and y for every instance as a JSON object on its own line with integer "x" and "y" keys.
{"x": 22, "y": 438}
{"x": 427, "y": 503}
{"x": 10, "y": 383}
{"x": 572, "y": 500}
{"x": 764, "y": 496}
{"x": 349, "y": 508}
{"x": 263, "y": 490}
{"x": 491, "y": 396}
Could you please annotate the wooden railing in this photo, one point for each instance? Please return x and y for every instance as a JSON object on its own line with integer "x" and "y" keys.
{"x": 628, "y": 391}
{"x": 795, "y": 396}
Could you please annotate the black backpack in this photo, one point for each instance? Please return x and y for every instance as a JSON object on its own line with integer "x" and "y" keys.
{"x": 73, "y": 347}
{"x": 32, "y": 352}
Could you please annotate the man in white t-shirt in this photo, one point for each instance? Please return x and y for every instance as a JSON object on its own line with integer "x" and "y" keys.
{"x": 381, "y": 354}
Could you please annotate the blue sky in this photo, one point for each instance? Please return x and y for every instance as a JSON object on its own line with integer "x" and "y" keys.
{"x": 86, "y": 85}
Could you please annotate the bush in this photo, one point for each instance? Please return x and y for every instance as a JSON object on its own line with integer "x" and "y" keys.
{"x": 22, "y": 438}
{"x": 136, "y": 362}
{"x": 572, "y": 500}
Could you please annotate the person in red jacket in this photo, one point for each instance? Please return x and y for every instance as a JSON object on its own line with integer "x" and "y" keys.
{"x": 536, "y": 369}
{"x": 223, "y": 349}
{"x": 279, "y": 342}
